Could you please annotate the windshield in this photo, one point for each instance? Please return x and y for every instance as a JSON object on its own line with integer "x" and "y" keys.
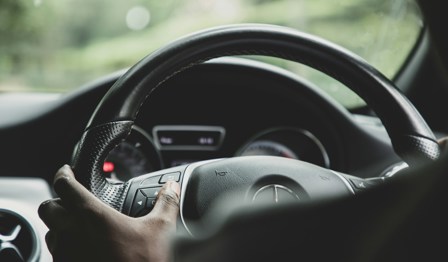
{"x": 58, "y": 45}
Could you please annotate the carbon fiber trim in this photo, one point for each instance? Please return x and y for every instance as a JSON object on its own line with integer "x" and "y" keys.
{"x": 417, "y": 149}
{"x": 92, "y": 150}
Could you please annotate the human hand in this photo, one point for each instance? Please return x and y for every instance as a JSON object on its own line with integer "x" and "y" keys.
{"x": 83, "y": 228}
{"x": 443, "y": 142}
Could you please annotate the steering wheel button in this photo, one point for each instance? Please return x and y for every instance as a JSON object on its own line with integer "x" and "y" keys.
{"x": 150, "y": 202}
{"x": 139, "y": 203}
{"x": 361, "y": 184}
{"x": 151, "y": 181}
{"x": 151, "y": 192}
{"x": 175, "y": 176}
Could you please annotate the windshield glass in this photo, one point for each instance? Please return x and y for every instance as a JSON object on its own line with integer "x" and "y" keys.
{"x": 58, "y": 45}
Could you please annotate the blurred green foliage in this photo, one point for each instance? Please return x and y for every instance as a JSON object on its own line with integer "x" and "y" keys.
{"x": 58, "y": 45}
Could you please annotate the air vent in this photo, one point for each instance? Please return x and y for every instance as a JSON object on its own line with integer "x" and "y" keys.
{"x": 18, "y": 239}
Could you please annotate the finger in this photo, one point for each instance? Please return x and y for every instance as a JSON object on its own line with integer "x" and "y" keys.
{"x": 167, "y": 203}
{"x": 443, "y": 142}
{"x": 54, "y": 215}
{"x": 73, "y": 194}
{"x": 50, "y": 239}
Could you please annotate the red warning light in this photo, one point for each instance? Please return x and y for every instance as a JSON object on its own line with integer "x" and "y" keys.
{"x": 108, "y": 167}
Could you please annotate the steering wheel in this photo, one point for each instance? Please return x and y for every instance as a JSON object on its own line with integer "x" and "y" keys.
{"x": 256, "y": 177}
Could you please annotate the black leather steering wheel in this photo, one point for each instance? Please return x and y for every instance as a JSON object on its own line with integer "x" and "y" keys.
{"x": 202, "y": 182}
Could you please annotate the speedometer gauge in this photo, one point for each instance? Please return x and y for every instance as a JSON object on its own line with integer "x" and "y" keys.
{"x": 135, "y": 156}
{"x": 287, "y": 142}
{"x": 268, "y": 148}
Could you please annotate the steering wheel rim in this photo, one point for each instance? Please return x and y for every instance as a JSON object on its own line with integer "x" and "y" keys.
{"x": 113, "y": 118}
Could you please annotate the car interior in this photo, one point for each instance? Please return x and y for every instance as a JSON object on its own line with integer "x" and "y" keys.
{"x": 271, "y": 166}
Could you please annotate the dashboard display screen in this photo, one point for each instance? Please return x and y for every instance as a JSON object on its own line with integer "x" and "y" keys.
{"x": 188, "y": 137}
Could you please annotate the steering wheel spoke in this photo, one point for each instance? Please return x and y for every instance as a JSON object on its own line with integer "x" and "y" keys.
{"x": 143, "y": 190}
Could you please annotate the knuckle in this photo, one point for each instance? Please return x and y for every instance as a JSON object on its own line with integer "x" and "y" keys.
{"x": 169, "y": 198}
{"x": 61, "y": 184}
{"x": 45, "y": 208}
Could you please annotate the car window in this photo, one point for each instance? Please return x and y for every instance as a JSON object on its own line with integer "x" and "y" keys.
{"x": 56, "y": 46}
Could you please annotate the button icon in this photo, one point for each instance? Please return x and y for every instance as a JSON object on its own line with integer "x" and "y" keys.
{"x": 151, "y": 191}
{"x": 139, "y": 204}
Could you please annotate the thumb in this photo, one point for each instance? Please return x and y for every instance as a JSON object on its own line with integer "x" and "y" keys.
{"x": 443, "y": 142}
{"x": 167, "y": 203}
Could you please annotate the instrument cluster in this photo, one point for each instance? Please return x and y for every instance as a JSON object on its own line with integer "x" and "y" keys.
{"x": 171, "y": 145}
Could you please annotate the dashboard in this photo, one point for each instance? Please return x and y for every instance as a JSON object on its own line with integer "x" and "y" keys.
{"x": 174, "y": 145}
{"x": 219, "y": 109}
{"x": 234, "y": 107}
{"x": 223, "y": 108}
